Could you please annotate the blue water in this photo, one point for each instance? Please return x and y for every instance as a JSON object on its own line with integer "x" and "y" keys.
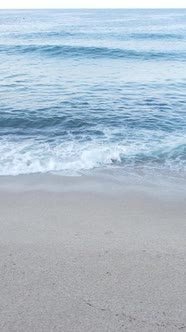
{"x": 86, "y": 89}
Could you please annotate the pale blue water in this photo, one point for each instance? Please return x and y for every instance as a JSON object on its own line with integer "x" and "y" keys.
{"x": 86, "y": 89}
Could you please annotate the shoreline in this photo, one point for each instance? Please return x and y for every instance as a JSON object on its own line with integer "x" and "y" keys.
{"x": 91, "y": 255}
{"x": 98, "y": 181}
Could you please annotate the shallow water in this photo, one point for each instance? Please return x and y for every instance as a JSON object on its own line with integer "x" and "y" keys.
{"x": 86, "y": 89}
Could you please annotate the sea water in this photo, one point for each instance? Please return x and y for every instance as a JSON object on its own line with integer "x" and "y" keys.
{"x": 92, "y": 89}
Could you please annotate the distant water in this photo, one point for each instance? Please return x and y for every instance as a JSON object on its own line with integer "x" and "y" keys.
{"x": 86, "y": 89}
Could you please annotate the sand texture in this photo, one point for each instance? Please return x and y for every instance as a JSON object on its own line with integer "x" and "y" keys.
{"x": 92, "y": 262}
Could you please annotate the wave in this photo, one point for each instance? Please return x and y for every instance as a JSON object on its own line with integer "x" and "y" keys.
{"x": 31, "y": 156}
{"x": 90, "y": 51}
{"x": 44, "y": 34}
{"x": 35, "y": 35}
{"x": 156, "y": 36}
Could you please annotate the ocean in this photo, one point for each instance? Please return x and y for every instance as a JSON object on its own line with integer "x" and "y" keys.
{"x": 85, "y": 90}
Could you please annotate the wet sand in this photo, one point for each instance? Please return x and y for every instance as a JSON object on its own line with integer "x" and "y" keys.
{"x": 91, "y": 260}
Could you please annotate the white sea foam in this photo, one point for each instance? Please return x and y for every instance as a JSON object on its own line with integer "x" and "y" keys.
{"x": 31, "y": 156}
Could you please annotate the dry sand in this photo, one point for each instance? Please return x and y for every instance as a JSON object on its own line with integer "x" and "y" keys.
{"x": 84, "y": 261}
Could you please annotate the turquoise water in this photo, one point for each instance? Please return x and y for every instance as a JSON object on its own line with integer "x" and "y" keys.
{"x": 86, "y": 89}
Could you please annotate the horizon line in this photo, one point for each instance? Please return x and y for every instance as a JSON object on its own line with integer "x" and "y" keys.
{"x": 84, "y": 8}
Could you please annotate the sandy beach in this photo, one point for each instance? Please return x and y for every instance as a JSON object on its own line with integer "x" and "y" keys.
{"x": 91, "y": 260}
{"x": 92, "y": 166}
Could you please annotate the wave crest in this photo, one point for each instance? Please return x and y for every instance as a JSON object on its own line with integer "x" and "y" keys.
{"x": 33, "y": 157}
{"x": 90, "y": 51}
